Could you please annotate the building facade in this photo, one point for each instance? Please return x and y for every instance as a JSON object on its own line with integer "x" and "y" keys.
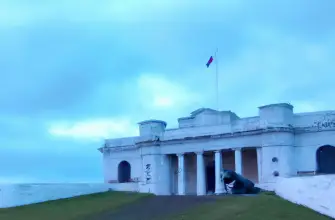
{"x": 189, "y": 159}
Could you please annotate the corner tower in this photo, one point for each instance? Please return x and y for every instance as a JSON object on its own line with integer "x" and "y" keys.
{"x": 276, "y": 115}
{"x": 277, "y": 141}
{"x": 155, "y": 166}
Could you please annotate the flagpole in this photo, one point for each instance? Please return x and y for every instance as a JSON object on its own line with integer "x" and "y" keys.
{"x": 217, "y": 79}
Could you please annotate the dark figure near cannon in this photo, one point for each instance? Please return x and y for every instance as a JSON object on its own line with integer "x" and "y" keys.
{"x": 241, "y": 185}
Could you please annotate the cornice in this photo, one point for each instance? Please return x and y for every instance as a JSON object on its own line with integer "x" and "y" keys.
{"x": 119, "y": 148}
{"x": 289, "y": 129}
{"x": 217, "y": 136}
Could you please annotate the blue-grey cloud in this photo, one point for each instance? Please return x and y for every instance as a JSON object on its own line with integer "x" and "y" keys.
{"x": 66, "y": 68}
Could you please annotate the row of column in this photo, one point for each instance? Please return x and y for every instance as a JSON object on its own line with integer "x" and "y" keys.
{"x": 201, "y": 174}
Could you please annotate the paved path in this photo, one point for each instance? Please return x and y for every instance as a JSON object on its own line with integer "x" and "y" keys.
{"x": 156, "y": 207}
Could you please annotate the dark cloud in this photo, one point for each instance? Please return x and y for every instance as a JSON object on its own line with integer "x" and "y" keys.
{"x": 55, "y": 68}
{"x": 309, "y": 19}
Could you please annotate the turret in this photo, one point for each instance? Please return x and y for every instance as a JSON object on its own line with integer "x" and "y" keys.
{"x": 152, "y": 127}
{"x": 280, "y": 114}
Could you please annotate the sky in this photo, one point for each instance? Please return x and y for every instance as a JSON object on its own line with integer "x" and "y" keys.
{"x": 76, "y": 72}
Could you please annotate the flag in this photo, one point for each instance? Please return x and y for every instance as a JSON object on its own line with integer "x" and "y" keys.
{"x": 209, "y": 61}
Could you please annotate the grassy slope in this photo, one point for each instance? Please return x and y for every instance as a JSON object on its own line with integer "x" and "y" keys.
{"x": 75, "y": 208}
{"x": 263, "y": 207}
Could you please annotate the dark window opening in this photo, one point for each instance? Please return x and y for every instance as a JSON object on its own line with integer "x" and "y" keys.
{"x": 210, "y": 177}
{"x": 325, "y": 160}
{"x": 124, "y": 172}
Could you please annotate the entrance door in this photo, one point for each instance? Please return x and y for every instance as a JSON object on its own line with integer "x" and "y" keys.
{"x": 210, "y": 177}
{"x": 124, "y": 170}
{"x": 250, "y": 164}
{"x": 325, "y": 159}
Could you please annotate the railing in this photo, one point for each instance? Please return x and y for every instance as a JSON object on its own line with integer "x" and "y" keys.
{"x": 132, "y": 180}
{"x": 306, "y": 173}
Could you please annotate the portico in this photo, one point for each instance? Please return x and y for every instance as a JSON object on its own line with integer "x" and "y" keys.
{"x": 186, "y": 171}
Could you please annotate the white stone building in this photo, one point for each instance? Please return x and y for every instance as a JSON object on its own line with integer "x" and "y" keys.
{"x": 188, "y": 159}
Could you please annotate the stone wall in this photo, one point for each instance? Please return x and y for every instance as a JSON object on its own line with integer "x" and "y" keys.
{"x": 315, "y": 192}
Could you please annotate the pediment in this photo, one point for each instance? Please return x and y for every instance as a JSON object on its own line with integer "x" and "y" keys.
{"x": 202, "y": 111}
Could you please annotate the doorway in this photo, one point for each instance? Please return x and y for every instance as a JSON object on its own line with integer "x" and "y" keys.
{"x": 124, "y": 170}
{"x": 325, "y": 159}
{"x": 250, "y": 164}
{"x": 210, "y": 177}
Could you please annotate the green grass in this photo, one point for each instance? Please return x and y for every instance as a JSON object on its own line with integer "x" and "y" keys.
{"x": 262, "y": 207}
{"x": 74, "y": 208}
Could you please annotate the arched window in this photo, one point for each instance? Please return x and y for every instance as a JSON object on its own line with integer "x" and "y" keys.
{"x": 325, "y": 159}
{"x": 124, "y": 172}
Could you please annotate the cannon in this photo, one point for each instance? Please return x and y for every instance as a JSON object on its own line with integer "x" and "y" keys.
{"x": 240, "y": 184}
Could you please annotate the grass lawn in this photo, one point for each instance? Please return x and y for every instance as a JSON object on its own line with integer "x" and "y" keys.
{"x": 75, "y": 208}
{"x": 263, "y": 207}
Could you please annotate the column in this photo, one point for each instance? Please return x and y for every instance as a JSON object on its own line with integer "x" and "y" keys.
{"x": 218, "y": 169}
{"x": 259, "y": 164}
{"x": 201, "y": 184}
{"x": 181, "y": 174}
{"x": 238, "y": 161}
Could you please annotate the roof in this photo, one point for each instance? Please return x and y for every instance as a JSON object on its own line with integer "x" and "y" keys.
{"x": 186, "y": 118}
{"x": 200, "y": 110}
{"x": 152, "y": 121}
{"x": 284, "y": 105}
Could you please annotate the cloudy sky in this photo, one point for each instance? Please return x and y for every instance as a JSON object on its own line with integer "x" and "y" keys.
{"x": 75, "y": 72}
